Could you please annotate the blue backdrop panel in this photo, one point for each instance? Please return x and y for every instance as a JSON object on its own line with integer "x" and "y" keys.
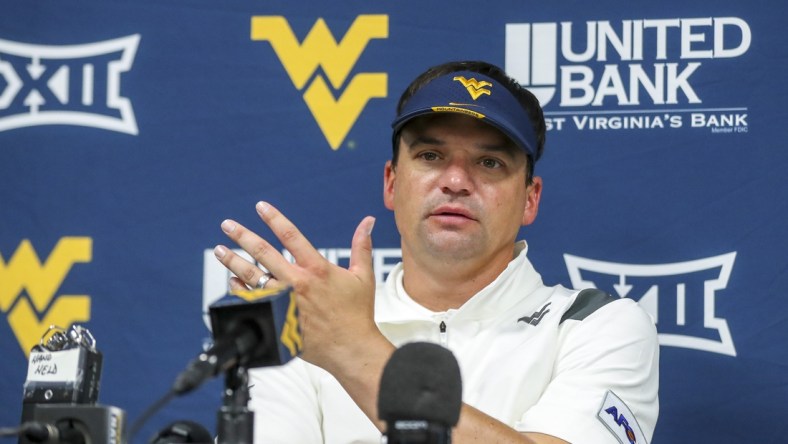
{"x": 130, "y": 130}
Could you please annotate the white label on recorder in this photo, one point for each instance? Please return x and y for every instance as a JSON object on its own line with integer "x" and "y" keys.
{"x": 59, "y": 366}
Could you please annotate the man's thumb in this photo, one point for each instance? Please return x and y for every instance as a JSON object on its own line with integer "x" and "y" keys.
{"x": 361, "y": 249}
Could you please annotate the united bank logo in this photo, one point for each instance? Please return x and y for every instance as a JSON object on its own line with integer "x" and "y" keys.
{"x": 630, "y": 74}
{"x": 319, "y": 49}
{"x": 681, "y": 297}
{"x": 29, "y": 289}
{"x": 66, "y": 85}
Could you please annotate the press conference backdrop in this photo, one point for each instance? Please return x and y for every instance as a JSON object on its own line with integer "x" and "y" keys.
{"x": 130, "y": 129}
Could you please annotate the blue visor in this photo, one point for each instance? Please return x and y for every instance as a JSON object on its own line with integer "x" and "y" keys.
{"x": 475, "y": 95}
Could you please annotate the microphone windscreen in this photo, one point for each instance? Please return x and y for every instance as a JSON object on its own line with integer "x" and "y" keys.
{"x": 421, "y": 381}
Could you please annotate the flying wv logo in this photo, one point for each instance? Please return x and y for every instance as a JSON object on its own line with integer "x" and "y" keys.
{"x": 679, "y": 296}
{"x": 335, "y": 117}
{"x": 25, "y": 280}
{"x": 66, "y": 85}
{"x": 536, "y": 318}
{"x": 475, "y": 88}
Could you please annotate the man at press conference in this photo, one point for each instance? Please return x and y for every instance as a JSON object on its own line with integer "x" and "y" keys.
{"x": 539, "y": 364}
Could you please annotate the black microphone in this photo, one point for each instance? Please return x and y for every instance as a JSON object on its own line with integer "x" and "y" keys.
{"x": 182, "y": 431}
{"x": 41, "y": 432}
{"x": 251, "y": 328}
{"x": 34, "y": 431}
{"x": 420, "y": 394}
{"x": 66, "y": 431}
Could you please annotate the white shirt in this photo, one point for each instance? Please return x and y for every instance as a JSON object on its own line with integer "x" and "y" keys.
{"x": 531, "y": 372}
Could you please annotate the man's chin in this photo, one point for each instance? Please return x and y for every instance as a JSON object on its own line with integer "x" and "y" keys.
{"x": 454, "y": 246}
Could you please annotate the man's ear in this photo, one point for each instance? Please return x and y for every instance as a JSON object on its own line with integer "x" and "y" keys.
{"x": 389, "y": 176}
{"x": 533, "y": 194}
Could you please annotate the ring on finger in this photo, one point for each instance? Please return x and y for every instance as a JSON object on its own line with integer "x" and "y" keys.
{"x": 264, "y": 280}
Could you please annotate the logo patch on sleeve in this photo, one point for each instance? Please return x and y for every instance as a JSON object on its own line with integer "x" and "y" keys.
{"x": 617, "y": 417}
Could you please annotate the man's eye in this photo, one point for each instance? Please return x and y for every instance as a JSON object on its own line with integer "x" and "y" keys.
{"x": 428, "y": 156}
{"x": 491, "y": 163}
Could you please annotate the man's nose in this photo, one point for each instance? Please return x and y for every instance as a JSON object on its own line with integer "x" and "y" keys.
{"x": 457, "y": 178}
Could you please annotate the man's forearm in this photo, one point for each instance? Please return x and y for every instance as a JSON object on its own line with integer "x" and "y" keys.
{"x": 360, "y": 373}
{"x": 477, "y": 427}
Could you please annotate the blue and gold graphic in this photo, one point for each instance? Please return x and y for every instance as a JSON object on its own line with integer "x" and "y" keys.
{"x": 475, "y": 88}
{"x": 336, "y": 60}
{"x": 28, "y": 289}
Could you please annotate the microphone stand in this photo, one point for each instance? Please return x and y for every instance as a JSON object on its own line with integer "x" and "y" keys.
{"x": 235, "y": 420}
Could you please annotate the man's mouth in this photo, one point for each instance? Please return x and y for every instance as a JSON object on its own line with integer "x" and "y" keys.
{"x": 452, "y": 211}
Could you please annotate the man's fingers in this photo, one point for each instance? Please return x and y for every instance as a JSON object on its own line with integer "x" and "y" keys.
{"x": 237, "y": 284}
{"x": 361, "y": 249}
{"x": 247, "y": 272}
{"x": 257, "y": 247}
{"x": 302, "y": 250}
{"x": 287, "y": 233}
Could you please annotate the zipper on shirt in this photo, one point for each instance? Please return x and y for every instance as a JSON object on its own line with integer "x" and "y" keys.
{"x": 443, "y": 335}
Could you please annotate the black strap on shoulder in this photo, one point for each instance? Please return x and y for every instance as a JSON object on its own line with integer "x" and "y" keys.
{"x": 587, "y": 302}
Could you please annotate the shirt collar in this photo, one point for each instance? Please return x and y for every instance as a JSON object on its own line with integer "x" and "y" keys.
{"x": 517, "y": 281}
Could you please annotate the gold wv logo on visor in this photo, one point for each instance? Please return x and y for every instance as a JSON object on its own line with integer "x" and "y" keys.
{"x": 475, "y": 88}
